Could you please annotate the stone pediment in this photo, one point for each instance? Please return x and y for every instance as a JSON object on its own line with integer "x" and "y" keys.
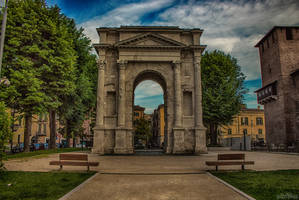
{"x": 149, "y": 40}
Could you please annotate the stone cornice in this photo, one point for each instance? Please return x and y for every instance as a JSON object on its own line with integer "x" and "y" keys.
{"x": 110, "y": 46}
{"x": 158, "y": 37}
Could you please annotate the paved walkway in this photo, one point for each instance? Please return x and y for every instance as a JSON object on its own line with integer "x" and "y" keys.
{"x": 156, "y": 177}
{"x": 160, "y": 164}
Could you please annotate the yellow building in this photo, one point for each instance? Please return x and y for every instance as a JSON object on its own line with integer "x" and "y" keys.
{"x": 138, "y": 112}
{"x": 159, "y": 124}
{"x": 250, "y": 122}
{"x": 40, "y": 132}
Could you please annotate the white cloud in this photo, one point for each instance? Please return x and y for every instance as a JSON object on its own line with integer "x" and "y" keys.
{"x": 147, "y": 89}
{"x": 234, "y": 26}
{"x": 129, "y": 14}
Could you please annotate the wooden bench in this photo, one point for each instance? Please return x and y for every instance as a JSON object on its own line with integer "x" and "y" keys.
{"x": 230, "y": 159}
{"x": 74, "y": 160}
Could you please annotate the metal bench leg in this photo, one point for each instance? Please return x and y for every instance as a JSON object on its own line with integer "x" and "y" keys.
{"x": 87, "y": 167}
{"x": 60, "y": 167}
{"x": 216, "y": 167}
{"x": 243, "y": 167}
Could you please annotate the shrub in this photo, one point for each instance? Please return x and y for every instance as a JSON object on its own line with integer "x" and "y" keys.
{"x": 5, "y": 132}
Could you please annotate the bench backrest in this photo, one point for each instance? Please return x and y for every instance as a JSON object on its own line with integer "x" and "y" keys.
{"x": 239, "y": 156}
{"x": 73, "y": 157}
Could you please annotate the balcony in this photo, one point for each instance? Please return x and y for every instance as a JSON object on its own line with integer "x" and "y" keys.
{"x": 267, "y": 93}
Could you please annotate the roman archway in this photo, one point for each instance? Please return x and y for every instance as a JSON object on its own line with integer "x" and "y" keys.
{"x": 167, "y": 55}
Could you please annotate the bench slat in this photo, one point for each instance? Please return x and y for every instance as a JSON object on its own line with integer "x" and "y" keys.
{"x": 73, "y": 157}
{"x": 73, "y": 163}
{"x": 217, "y": 163}
{"x": 239, "y": 156}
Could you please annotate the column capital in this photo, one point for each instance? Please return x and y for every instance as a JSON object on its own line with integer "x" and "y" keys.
{"x": 176, "y": 64}
{"x": 197, "y": 59}
{"x": 122, "y": 64}
{"x": 101, "y": 64}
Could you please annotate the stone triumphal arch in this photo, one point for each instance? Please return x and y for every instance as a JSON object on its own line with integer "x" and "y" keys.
{"x": 168, "y": 55}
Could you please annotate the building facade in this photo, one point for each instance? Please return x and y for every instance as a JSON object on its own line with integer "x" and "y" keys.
{"x": 158, "y": 125}
{"x": 279, "y": 59}
{"x": 138, "y": 112}
{"x": 249, "y": 122}
{"x": 40, "y": 132}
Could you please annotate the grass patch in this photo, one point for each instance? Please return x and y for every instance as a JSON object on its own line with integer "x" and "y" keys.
{"x": 39, "y": 185}
{"x": 42, "y": 152}
{"x": 264, "y": 185}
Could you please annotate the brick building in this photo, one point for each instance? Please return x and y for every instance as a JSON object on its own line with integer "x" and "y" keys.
{"x": 279, "y": 58}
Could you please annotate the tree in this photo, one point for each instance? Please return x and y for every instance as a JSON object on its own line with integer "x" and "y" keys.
{"x": 223, "y": 90}
{"x": 5, "y": 132}
{"x": 78, "y": 106}
{"x": 142, "y": 130}
{"x": 24, "y": 53}
{"x": 58, "y": 70}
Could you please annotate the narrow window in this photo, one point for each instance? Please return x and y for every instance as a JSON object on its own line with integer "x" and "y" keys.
{"x": 187, "y": 103}
{"x": 45, "y": 128}
{"x": 273, "y": 38}
{"x": 229, "y": 131}
{"x": 260, "y": 131}
{"x": 289, "y": 34}
{"x": 245, "y": 131}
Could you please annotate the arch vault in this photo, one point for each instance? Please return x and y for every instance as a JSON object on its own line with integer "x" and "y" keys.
{"x": 168, "y": 55}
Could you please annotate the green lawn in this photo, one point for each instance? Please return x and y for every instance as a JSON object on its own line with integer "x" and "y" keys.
{"x": 41, "y": 152}
{"x": 281, "y": 184}
{"x": 38, "y": 185}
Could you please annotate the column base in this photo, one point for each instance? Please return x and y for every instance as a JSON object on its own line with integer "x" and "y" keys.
{"x": 98, "y": 141}
{"x": 200, "y": 140}
{"x": 178, "y": 141}
{"x": 123, "y": 151}
{"x": 123, "y": 141}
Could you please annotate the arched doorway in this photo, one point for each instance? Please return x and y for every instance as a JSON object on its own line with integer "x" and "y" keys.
{"x": 169, "y": 56}
{"x": 156, "y": 117}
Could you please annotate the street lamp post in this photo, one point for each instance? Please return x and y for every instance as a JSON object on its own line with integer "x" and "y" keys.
{"x": 3, "y": 28}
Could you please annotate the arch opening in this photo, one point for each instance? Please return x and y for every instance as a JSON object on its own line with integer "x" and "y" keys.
{"x": 149, "y": 111}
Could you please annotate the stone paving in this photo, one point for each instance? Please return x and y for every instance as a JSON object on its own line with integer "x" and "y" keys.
{"x": 161, "y": 164}
{"x": 157, "y": 177}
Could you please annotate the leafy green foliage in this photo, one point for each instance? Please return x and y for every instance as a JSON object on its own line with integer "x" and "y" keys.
{"x": 223, "y": 90}
{"x": 5, "y": 132}
{"x": 142, "y": 130}
{"x": 49, "y": 64}
{"x": 79, "y": 105}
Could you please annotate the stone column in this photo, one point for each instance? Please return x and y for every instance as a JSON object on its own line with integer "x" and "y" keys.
{"x": 177, "y": 94}
{"x": 200, "y": 130}
{"x": 100, "y": 93}
{"x": 121, "y": 118}
{"x": 99, "y": 132}
{"x": 178, "y": 131}
{"x": 198, "y": 93}
{"x": 123, "y": 145}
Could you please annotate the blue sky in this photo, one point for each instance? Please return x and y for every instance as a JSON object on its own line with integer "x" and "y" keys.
{"x": 233, "y": 26}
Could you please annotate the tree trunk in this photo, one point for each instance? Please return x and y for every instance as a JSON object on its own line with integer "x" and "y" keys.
{"x": 74, "y": 142}
{"x": 68, "y": 134}
{"x": 213, "y": 132}
{"x": 27, "y": 131}
{"x": 52, "y": 124}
